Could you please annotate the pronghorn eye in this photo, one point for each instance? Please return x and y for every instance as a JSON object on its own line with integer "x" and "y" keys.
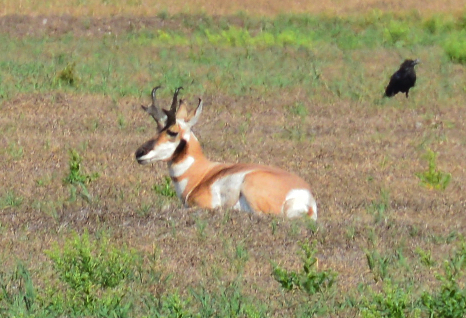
{"x": 172, "y": 133}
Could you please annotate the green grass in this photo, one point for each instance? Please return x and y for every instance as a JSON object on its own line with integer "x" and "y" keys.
{"x": 265, "y": 54}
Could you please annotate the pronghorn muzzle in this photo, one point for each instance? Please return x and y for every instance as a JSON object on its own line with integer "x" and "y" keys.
{"x": 142, "y": 151}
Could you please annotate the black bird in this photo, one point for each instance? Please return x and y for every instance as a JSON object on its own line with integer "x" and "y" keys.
{"x": 403, "y": 79}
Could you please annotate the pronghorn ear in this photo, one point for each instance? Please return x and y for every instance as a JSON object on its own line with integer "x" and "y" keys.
{"x": 193, "y": 120}
{"x": 182, "y": 113}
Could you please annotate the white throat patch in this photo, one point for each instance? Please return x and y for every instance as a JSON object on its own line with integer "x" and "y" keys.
{"x": 178, "y": 169}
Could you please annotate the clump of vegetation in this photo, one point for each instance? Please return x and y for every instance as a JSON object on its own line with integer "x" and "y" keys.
{"x": 68, "y": 75}
{"x": 77, "y": 179}
{"x": 165, "y": 189}
{"x": 378, "y": 265}
{"x": 393, "y": 301}
{"x": 396, "y": 32}
{"x": 309, "y": 279}
{"x": 94, "y": 273}
{"x": 379, "y": 208}
{"x": 10, "y": 200}
{"x": 449, "y": 301}
{"x": 433, "y": 178}
{"x": 455, "y": 47}
{"x": 17, "y": 293}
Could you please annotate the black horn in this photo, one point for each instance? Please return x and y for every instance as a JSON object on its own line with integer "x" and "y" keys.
{"x": 171, "y": 114}
{"x": 174, "y": 105}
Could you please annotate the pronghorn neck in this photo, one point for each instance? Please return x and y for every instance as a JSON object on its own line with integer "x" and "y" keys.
{"x": 187, "y": 166}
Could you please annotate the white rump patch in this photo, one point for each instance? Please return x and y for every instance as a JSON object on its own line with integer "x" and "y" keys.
{"x": 178, "y": 169}
{"x": 161, "y": 152}
{"x": 298, "y": 202}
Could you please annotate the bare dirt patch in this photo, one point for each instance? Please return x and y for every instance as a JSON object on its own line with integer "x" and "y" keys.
{"x": 97, "y": 8}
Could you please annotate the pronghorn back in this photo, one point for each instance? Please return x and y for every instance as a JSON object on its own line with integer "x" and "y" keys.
{"x": 207, "y": 184}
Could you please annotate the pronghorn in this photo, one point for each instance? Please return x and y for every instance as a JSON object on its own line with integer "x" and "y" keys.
{"x": 206, "y": 184}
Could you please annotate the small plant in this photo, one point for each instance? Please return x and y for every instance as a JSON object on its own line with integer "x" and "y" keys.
{"x": 380, "y": 207}
{"x": 76, "y": 179}
{"x": 17, "y": 293}
{"x": 425, "y": 257}
{"x": 143, "y": 209}
{"x": 298, "y": 109}
{"x": 10, "y": 200}
{"x": 201, "y": 226}
{"x": 68, "y": 75}
{"x": 309, "y": 279}
{"x": 433, "y": 178}
{"x": 94, "y": 272}
{"x": 121, "y": 122}
{"x": 15, "y": 150}
{"x": 450, "y": 300}
{"x": 165, "y": 189}
{"x": 378, "y": 265}
{"x": 393, "y": 301}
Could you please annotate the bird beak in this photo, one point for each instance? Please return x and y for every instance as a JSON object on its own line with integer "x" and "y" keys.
{"x": 417, "y": 61}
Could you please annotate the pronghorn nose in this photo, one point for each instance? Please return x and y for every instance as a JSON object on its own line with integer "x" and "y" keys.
{"x": 144, "y": 150}
{"x": 140, "y": 152}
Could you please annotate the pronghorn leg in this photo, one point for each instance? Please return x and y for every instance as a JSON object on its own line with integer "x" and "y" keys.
{"x": 243, "y": 204}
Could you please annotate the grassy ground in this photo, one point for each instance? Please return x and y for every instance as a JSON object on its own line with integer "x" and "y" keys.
{"x": 85, "y": 231}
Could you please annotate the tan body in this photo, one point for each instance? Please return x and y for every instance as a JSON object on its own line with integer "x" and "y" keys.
{"x": 200, "y": 182}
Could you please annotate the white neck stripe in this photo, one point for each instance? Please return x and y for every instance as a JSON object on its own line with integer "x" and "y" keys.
{"x": 178, "y": 169}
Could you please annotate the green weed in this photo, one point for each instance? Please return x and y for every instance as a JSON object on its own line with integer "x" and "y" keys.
{"x": 378, "y": 264}
{"x": 433, "y": 178}
{"x": 17, "y": 293}
{"x": 425, "y": 257}
{"x": 392, "y": 301}
{"x": 396, "y": 32}
{"x": 309, "y": 279}
{"x": 121, "y": 122}
{"x": 455, "y": 47}
{"x": 94, "y": 273}
{"x": 228, "y": 301}
{"x": 449, "y": 301}
{"x": 165, "y": 189}
{"x": 10, "y": 200}
{"x": 68, "y": 76}
{"x": 77, "y": 180}
{"x": 298, "y": 109}
{"x": 379, "y": 208}
{"x": 15, "y": 151}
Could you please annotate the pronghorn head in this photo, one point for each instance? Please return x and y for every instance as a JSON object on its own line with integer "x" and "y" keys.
{"x": 174, "y": 129}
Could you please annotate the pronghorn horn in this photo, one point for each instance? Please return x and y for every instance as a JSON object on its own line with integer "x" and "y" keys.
{"x": 171, "y": 114}
{"x": 175, "y": 100}
{"x": 159, "y": 116}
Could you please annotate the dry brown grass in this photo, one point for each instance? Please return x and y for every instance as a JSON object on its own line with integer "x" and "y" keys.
{"x": 99, "y": 8}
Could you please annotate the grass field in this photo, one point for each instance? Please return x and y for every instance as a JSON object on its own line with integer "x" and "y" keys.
{"x": 87, "y": 232}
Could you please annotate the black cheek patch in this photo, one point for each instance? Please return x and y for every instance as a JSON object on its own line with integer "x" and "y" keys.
{"x": 181, "y": 147}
